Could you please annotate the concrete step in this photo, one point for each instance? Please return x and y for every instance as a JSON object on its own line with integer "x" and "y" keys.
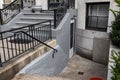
{"x": 29, "y": 23}
{"x": 33, "y": 19}
{"x": 18, "y": 25}
{"x": 38, "y": 14}
{"x": 28, "y": 10}
{"x": 36, "y": 18}
{"x": 39, "y": 17}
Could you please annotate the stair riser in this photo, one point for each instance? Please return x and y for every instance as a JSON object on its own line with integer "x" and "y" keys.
{"x": 25, "y": 24}
{"x": 29, "y": 11}
{"x": 34, "y": 20}
{"x": 39, "y": 14}
{"x": 37, "y": 17}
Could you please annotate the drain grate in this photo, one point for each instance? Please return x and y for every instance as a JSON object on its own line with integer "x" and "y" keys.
{"x": 80, "y": 73}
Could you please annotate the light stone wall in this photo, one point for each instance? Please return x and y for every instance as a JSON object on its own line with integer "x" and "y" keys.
{"x": 81, "y": 6}
{"x": 85, "y": 38}
{"x": 1, "y": 2}
{"x": 44, "y": 3}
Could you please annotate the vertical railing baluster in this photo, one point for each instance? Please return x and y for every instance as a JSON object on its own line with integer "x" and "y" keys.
{"x": 22, "y": 4}
{"x": 22, "y": 42}
{"x": 11, "y": 46}
{"x": 0, "y": 60}
{"x": 1, "y": 18}
{"x": 15, "y": 45}
{"x": 55, "y": 14}
{"x": 37, "y": 35}
{"x": 29, "y": 37}
{"x": 18, "y": 43}
{"x": 25, "y": 42}
{"x": 28, "y": 42}
{"x": 50, "y": 30}
{"x": 40, "y": 32}
{"x": 32, "y": 33}
{"x": 43, "y": 34}
{"x": 3, "y": 47}
{"x": 8, "y": 48}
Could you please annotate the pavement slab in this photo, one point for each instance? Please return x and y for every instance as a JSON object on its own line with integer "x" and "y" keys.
{"x": 80, "y": 68}
{"x": 36, "y": 77}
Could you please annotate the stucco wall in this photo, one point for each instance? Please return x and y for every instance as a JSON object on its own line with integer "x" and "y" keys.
{"x": 81, "y": 6}
{"x": 44, "y": 3}
{"x": 85, "y": 38}
{"x": 47, "y": 64}
{"x": 85, "y": 42}
{"x": 1, "y": 2}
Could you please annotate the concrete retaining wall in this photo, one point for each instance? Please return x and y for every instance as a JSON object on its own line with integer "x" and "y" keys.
{"x": 8, "y": 71}
{"x": 86, "y": 41}
{"x": 48, "y": 65}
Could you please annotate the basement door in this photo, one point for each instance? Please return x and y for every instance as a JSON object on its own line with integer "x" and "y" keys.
{"x": 72, "y": 37}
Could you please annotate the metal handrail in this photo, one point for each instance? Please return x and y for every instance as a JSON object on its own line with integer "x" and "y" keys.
{"x": 10, "y": 11}
{"x": 55, "y": 50}
{"x": 15, "y": 42}
{"x": 9, "y": 5}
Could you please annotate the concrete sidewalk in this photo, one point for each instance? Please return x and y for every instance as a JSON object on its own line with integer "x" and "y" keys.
{"x": 36, "y": 77}
{"x": 79, "y": 68}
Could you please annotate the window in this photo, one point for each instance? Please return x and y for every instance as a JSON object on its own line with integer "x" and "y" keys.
{"x": 97, "y": 16}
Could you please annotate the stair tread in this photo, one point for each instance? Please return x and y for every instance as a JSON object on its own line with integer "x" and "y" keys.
{"x": 26, "y": 22}
{"x": 38, "y": 13}
{"x": 38, "y": 18}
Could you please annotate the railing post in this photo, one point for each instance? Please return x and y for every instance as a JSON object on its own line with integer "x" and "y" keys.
{"x": 0, "y": 61}
{"x": 68, "y": 4}
{"x": 55, "y": 16}
{"x": 22, "y": 4}
{"x": 1, "y": 19}
{"x": 50, "y": 30}
{"x": 32, "y": 33}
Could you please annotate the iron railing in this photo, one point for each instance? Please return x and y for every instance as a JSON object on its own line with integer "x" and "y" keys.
{"x": 20, "y": 40}
{"x": 10, "y": 11}
{"x": 59, "y": 13}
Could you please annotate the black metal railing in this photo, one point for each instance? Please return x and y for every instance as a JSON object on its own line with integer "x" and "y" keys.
{"x": 59, "y": 13}
{"x": 20, "y": 40}
{"x": 10, "y": 11}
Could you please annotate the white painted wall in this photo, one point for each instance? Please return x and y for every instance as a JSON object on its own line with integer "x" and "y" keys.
{"x": 85, "y": 38}
{"x": 81, "y": 6}
{"x": 44, "y": 3}
{"x": 1, "y": 2}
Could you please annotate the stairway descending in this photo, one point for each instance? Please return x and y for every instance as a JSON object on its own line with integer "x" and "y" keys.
{"x": 32, "y": 18}
{"x": 27, "y": 17}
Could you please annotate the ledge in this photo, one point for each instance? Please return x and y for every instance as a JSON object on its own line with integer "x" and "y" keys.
{"x": 8, "y": 71}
